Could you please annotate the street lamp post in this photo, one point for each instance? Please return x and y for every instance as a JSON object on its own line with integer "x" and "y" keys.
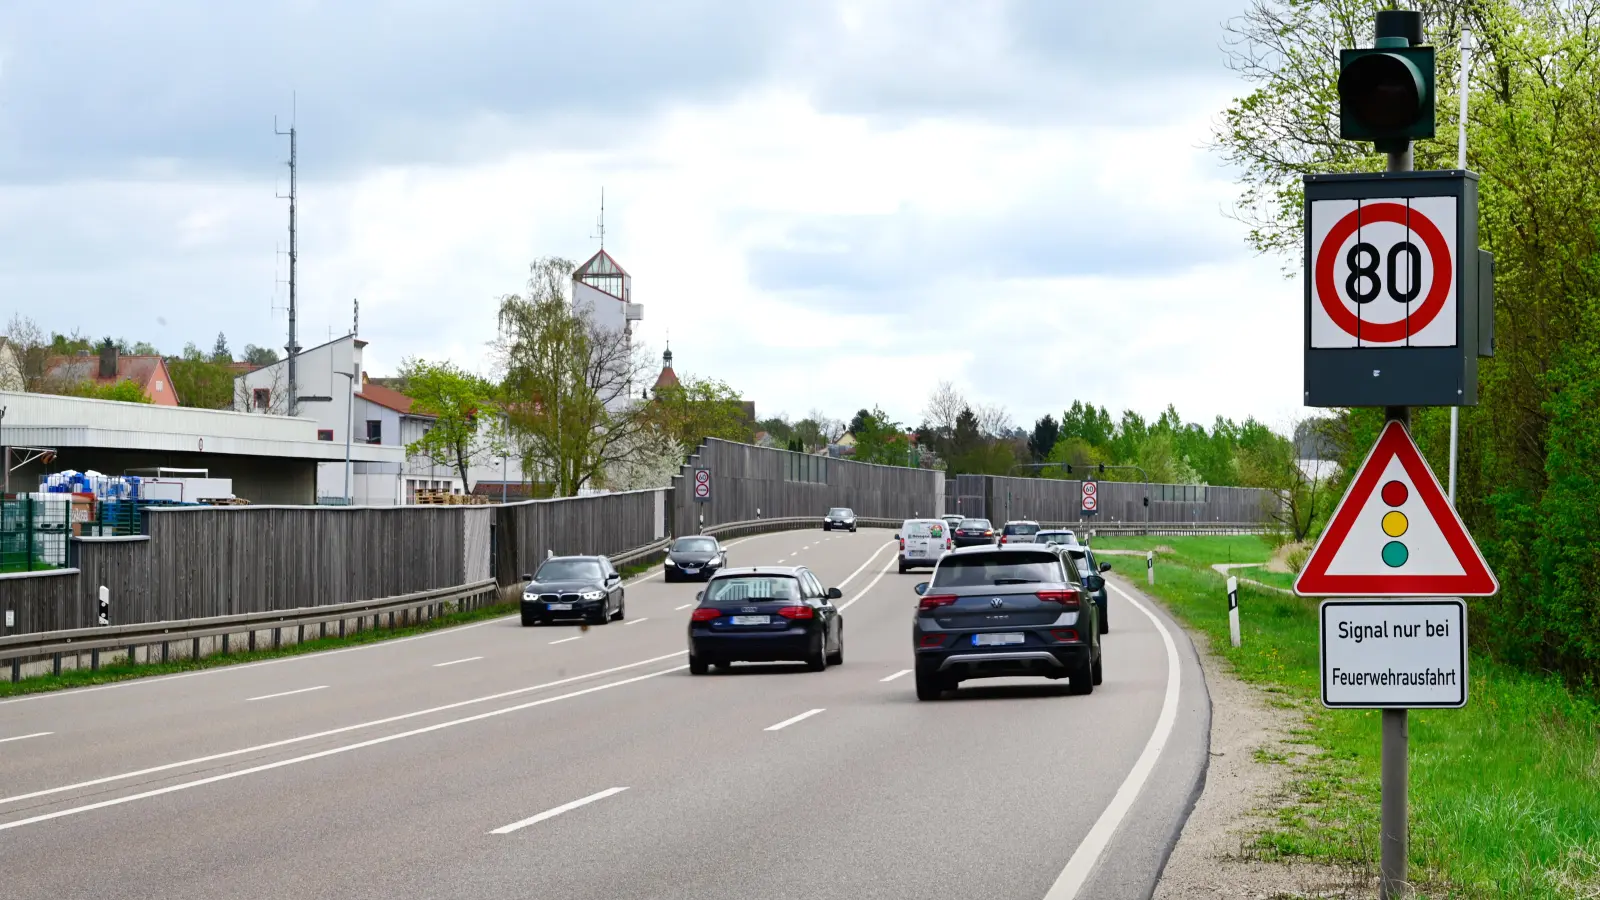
{"x": 349, "y": 424}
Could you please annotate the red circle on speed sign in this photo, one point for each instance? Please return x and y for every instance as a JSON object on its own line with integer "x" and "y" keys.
{"x": 702, "y": 490}
{"x": 1089, "y": 488}
{"x": 1088, "y": 501}
{"x": 703, "y": 476}
{"x": 1438, "y": 291}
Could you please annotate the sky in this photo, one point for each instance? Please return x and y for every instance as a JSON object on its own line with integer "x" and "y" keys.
{"x": 827, "y": 204}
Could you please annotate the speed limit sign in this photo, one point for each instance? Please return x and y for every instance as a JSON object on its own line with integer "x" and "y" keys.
{"x": 1396, "y": 293}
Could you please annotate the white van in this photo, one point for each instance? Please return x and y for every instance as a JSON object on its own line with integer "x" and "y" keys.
{"x": 922, "y": 542}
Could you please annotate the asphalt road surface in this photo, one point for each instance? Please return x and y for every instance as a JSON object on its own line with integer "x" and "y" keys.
{"x": 495, "y": 761}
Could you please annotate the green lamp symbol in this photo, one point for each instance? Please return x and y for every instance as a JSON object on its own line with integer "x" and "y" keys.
{"x": 1395, "y": 553}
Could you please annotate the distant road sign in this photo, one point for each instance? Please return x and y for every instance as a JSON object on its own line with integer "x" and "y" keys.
{"x": 1091, "y": 497}
{"x": 702, "y": 485}
{"x": 1395, "y": 534}
{"x": 1403, "y": 654}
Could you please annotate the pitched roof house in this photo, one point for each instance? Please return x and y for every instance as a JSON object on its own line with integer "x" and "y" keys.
{"x": 110, "y": 367}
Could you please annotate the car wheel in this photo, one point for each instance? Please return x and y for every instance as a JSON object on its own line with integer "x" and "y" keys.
{"x": 852, "y": 529}
{"x": 600, "y": 618}
{"x": 902, "y": 568}
{"x": 1099, "y": 670}
{"x": 837, "y": 657}
{"x": 622, "y": 609}
{"x": 818, "y": 661}
{"x": 528, "y": 620}
{"x": 1105, "y": 623}
{"x": 929, "y": 685}
{"x": 698, "y": 666}
{"x": 668, "y": 577}
{"x": 1081, "y": 679}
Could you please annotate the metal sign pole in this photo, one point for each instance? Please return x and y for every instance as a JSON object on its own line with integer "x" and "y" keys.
{"x": 1394, "y": 779}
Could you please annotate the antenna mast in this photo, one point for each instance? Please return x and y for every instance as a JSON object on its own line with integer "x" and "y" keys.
{"x": 293, "y": 347}
{"x": 602, "y": 223}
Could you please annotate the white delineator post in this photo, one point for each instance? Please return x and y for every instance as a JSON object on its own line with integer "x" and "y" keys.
{"x": 105, "y": 605}
{"x": 1233, "y": 609}
{"x": 1150, "y": 566}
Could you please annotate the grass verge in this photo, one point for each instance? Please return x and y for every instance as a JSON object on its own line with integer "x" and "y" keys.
{"x": 1505, "y": 793}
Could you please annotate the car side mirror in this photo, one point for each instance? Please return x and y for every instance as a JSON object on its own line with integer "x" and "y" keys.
{"x": 921, "y": 588}
{"x": 527, "y": 577}
{"x": 699, "y": 595}
{"x": 835, "y": 593}
{"x": 614, "y": 576}
{"x": 1094, "y": 582}
{"x": 1105, "y": 567}
{"x": 897, "y": 535}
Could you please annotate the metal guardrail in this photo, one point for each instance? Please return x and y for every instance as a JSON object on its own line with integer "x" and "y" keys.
{"x": 1162, "y": 529}
{"x": 94, "y": 641}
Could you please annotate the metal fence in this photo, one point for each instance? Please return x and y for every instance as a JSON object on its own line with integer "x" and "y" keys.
{"x": 1060, "y": 500}
{"x": 33, "y": 533}
{"x": 760, "y": 482}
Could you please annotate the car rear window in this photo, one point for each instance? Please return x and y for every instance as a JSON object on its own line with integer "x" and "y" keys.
{"x": 980, "y": 524}
{"x": 1054, "y": 537}
{"x": 983, "y": 569}
{"x": 753, "y": 588}
{"x": 922, "y": 529}
{"x": 695, "y": 545}
{"x": 1016, "y": 528}
{"x": 1082, "y": 559}
{"x": 567, "y": 570}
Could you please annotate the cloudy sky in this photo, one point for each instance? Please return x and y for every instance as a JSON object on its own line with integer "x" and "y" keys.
{"x": 828, "y": 204}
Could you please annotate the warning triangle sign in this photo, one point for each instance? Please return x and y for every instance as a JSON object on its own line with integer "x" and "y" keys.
{"x": 1395, "y": 534}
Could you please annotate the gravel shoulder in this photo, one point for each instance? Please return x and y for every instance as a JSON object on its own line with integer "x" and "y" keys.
{"x": 1246, "y": 781}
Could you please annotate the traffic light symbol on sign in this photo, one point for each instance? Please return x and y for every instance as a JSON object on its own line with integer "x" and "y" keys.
{"x": 1395, "y": 524}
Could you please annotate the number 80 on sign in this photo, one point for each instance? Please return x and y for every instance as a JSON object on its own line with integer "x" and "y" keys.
{"x": 1383, "y": 272}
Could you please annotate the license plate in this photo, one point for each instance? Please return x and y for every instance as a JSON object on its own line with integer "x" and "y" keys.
{"x": 989, "y": 640}
{"x": 752, "y": 620}
{"x": 558, "y": 606}
{"x": 689, "y": 571}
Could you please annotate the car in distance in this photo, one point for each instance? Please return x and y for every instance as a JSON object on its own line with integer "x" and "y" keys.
{"x": 573, "y": 587}
{"x": 694, "y": 556}
{"x": 1090, "y": 571}
{"x": 995, "y": 612}
{"x": 1019, "y": 531}
{"x": 922, "y": 542}
{"x": 953, "y": 521}
{"x": 839, "y": 517}
{"x": 766, "y": 614}
{"x": 973, "y": 532}
{"x": 1056, "y": 536}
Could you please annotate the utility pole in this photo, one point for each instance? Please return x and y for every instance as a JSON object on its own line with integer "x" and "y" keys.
{"x": 293, "y": 347}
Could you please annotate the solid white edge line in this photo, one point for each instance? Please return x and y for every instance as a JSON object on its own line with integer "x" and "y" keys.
{"x": 870, "y": 585}
{"x": 333, "y": 731}
{"x": 23, "y": 737}
{"x": 683, "y": 607}
{"x": 454, "y": 661}
{"x": 636, "y": 621}
{"x": 552, "y": 813}
{"x": 1084, "y": 859}
{"x": 896, "y": 675}
{"x": 287, "y": 693}
{"x": 331, "y": 751}
{"x": 787, "y": 722}
{"x": 564, "y": 640}
{"x": 852, "y": 576}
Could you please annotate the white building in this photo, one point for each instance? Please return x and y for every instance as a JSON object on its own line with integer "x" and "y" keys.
{"x": 387, "y": 417}
{"x": 603, "y": 291}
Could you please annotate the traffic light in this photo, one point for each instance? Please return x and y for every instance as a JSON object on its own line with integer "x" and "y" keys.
{"x": 1386, "y": 91}
{"x": 1102, "y": 468}
{"x": 1394, "y": 524}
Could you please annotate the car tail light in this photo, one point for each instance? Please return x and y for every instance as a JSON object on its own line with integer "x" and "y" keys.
{"x": 1069, "y": 599}
{"x": 1002, "y": 539}
{"x": 798, "y": 612}
{"x": 988, "y": 534}
{"x": 1064, "y": 634}
{"x": 704, "y": 614}
{"x": 934, "y": 601}
{"x": 902, "y": 544}
{"x": 931, "y": 640}
{"x": 947, "y": 543}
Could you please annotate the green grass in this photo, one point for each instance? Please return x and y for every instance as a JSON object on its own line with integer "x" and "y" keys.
{"x": 1505, "y": 793}
{"x": 1201, "y": 550}
{"x": 123, "y": 671}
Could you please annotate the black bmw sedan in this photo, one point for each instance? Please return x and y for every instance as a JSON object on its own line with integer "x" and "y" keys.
{"x": 573, "y": 587}
{"x": 697, "y": 556}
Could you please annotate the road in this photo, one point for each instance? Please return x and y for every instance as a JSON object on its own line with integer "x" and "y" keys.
{"x": 494, "y": 761}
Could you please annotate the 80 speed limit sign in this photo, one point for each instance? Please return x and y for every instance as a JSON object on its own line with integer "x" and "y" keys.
{"x": 1383, "y": 272}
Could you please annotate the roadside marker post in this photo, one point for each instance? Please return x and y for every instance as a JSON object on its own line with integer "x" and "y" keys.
{"x": 105, "y": 605}
{"x": 1150, "y": 567}
{"x": 1233, "y": 609}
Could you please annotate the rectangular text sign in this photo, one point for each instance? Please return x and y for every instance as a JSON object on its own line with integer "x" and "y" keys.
{"x": 1394, "y": 654}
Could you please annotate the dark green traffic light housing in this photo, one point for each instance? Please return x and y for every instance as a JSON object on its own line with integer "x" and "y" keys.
{"x": 1386, "y": 92}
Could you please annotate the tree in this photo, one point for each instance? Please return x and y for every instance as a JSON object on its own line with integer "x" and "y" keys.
{"x": 993, "y": 419}
{"x": 259, "y": 356}
{"x": 220, "y": 352}
{"x": 1275, "y": 465}
{"x": 33, "y": 351}
{"x": 200, "y": 382}
{"x": 124, "y": 391}
{"x": 809, "y": 434}
{"x": 650, "y": 460}
{"x": 464, "y": 405}
{"x": 698, "y": 408}
{"x": 944, "y": 405}
{"x": 568, "y": 384}
{"x": 1043, "y": 439}
{"x": 880, "y": 439}
{"x": 778, "y": 428}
